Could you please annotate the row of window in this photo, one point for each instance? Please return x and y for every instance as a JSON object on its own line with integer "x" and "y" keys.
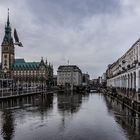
{"x": 63, "y": 83}
{"x": 25, "y": 73}
{"x": 67, "y": 74}
{"x": 64, "y": 78}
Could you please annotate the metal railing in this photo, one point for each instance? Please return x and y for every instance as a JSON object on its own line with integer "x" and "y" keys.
{"x": 17, "y": 91}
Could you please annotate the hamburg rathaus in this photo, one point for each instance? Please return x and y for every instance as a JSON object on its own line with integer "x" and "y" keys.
{"x": 17, "y": 71}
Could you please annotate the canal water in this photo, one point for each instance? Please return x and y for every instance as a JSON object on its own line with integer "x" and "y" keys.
{"x": 67, "y": 117}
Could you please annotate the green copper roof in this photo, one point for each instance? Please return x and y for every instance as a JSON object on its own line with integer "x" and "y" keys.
{"x": 21, "y": 64}
{"x": 21, "y": 60}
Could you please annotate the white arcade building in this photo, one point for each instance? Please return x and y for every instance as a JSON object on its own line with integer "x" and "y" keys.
{"x": 124, "y": 74}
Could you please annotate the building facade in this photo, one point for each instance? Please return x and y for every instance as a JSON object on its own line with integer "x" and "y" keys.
{"x": 19, "y": 70}
{"x": 102, "y": 80}
{"x": 55, "y": 80}
{"x": 124, "y": 74}
{"x": 69, "y": 75}
{"x": 32, "y": 72}
{"x": 85, "y": 79}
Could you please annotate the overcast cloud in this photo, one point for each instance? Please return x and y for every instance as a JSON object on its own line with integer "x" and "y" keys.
{"x": 88, "y": 33}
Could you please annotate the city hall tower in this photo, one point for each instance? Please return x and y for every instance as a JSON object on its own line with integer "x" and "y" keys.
{"x": 7, "y": 52}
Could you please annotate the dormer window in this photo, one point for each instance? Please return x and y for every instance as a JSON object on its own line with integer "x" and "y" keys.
{"x": 123, "y": 61}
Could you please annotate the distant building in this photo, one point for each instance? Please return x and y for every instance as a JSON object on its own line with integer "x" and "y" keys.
{"x": 69, "y": 74}
{"x": 55, "y": 80}
{"x": 95, "y": 82}
{"x": 102, "y": 80}
{"x": 85, "y": 79}
{"x": 19, "y": 70}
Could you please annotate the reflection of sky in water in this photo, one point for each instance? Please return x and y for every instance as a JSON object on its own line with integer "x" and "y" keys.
{"x": 66, "y": 117}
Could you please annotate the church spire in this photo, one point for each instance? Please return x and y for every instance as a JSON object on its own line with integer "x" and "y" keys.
{"x": 8, "y": 21}
{"x": 8, "y": 37}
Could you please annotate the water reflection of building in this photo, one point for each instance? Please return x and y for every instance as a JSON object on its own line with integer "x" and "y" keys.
{"x": 42, "y": 101}
{"x": 46, "y": 102}
{"x": 7, "y": 128}
{"x": 37, "y": 105}
{"x": 128, "y": 119}
{"x": 69, "y": 103}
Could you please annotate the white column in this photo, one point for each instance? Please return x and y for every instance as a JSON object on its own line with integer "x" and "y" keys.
{"x": 137, "y": 80}
{"x": 126, "y": 81}
{"x": 130, "y": 81}
{"x": 133, "y": 81}
{"x": 138, "y": 52}
{"x": 121, "y": 82}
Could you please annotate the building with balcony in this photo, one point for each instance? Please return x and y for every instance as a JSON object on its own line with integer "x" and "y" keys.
{"x": 124, "y": 74}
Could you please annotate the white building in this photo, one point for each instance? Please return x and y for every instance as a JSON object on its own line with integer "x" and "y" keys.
{"x": 69, "y": 74}
{"x": 103, "y": 78}
{"x": 124, "y": 74}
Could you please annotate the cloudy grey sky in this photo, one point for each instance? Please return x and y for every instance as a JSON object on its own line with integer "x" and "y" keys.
{"x": 88, "y": 33}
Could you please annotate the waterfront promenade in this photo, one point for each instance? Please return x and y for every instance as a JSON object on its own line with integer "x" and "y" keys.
{"x": 18, "y": 92}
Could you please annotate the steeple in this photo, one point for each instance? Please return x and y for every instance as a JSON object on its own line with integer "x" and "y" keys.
{"x": 7, "y": 37}
{"x": 42, "y": 61}
{"x": 8, "y": 51}
{"x": 8, "y": 22}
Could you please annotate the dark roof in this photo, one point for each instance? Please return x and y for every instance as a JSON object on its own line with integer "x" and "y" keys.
{"x": 68, "y": 68}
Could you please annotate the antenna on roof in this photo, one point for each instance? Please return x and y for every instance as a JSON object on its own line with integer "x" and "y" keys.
{"x": 8, "y": 22}
{"x": 68, "y": 62}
